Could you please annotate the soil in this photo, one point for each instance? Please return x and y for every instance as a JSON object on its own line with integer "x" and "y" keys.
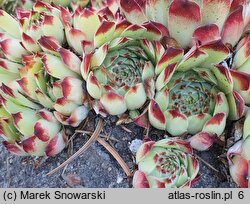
{"x": 96, "y": 168}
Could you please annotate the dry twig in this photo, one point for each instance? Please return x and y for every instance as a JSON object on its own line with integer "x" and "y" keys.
{"x": 207, "y": 164}
{"x": 91, "y": 140}
{"x": 116, "y": 155}
{"x": 107, "y": 137}
{"x": 147, "y": 132}
{"x": 126, "y": 129}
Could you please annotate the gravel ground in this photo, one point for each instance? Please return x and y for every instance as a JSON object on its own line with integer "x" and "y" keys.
{"x": 96, "y": 168}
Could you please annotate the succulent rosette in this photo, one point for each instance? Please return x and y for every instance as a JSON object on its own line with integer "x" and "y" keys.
{"x": 56, "y": 89}
{"x": 27, "y": 129}
{"x": 11, "y": 5}
{"x": 113, "y": 5}
{"x": 195, "y": 89}
{"x": 119, "y": 72}
{"x": 40, "y": 80}
{"x": 43, "y": 20}
{"x": 66, "y": 3}
{"x": 187, "y": 20}
{"x": 195, "y": 98}
{"x": 168, "y": 163}
{"x": 119, "y": 81}
{"x": 241, "y": 64}
{"x": 28, "y": 4}
{"x": 80, "y": 28}
{"x": 239, "y": 157}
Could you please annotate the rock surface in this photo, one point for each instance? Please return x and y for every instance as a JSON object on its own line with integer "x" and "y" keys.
{"x": 96, "y": 168}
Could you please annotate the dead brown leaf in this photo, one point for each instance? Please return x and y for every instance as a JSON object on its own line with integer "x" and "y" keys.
{"x": 73, "y": 180}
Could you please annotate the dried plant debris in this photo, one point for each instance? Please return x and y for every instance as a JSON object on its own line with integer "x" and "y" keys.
{"x": 138, "y": 91}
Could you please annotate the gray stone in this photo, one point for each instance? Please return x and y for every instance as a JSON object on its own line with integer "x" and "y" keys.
{"x": 96, "y": 167}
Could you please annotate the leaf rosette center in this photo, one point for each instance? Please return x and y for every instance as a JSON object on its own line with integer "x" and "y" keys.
{"x": 192, "y": 95}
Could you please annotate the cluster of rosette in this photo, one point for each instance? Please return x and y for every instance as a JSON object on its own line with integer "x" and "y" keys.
{"x": 180, "y": 66}
{"x": 194, "y": 91}
{"x": 239, "y": 154}
{"x": 239, "y": 157}
{"x": 168, "y": 163}
{"x": 41, "y": 87}
{"x": 28, "y": 4}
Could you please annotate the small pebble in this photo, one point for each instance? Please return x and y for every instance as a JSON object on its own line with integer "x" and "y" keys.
{"x": 119, "y": 179}
{"x": 134, "y": 146}
{"x": 10, "y": 160}
{"x": 238, "y": 130}
{"x": 104, "y": 165}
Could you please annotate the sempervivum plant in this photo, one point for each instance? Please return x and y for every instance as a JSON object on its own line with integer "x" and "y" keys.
{"x": 28, "y": 129}
{"x": 120, "y": 72}
{"x": 168, "y": 163}
{"x": 239, "y": 157}
{"x": 40, "y": 79}
{"x": 119, "y": 60}
{"x": 113, "y": 5}
{"x": 28, "y": 4}
{"x": 241, "y": 64}
{"x": 37, "y": 74}
{"x": 80, "y": 28}
{"x": 42, "y": 20}
{"x": 11, "y": 5}
{"x": 186, "y": 19}
{"x": 68, "y": 2}
{"x": 195, "y": 91}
